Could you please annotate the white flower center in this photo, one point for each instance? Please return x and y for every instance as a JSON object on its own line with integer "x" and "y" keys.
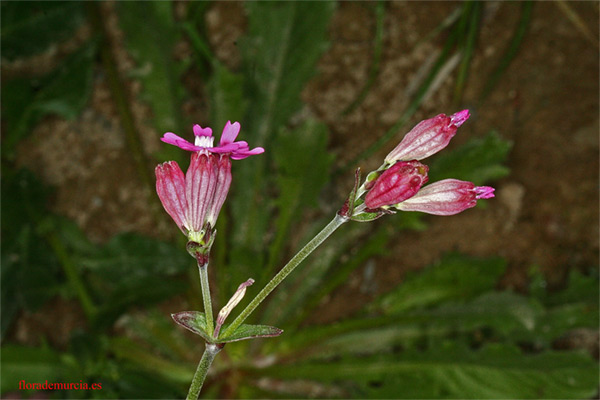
{"x": 204, "y": 141}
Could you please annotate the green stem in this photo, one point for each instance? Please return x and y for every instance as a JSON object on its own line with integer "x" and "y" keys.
{"x": 89, "y": 308}
{"x": 286, "y": 270}
{"x": 209, "y": 355}
{"x": 203, "y": 268}
{"x": 120, "y": 98}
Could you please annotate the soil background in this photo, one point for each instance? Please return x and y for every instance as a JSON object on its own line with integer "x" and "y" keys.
{"x": 545, "y": 213}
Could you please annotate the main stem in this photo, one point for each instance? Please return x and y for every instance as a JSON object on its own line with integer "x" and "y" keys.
{"x": 203, "y": 269}
{"x": 207, "y": 358}
{"x": 286, "y": 270}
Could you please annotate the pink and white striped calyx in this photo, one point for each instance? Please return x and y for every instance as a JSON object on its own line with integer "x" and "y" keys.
{"x": 398, "y": 183}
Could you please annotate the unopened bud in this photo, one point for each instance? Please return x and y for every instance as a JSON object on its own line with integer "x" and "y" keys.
{"x": 399, "y": 182}
{"x": 234, "y": 301}
{"x": 446, "y": 197}
{"x": 427, "y": 137}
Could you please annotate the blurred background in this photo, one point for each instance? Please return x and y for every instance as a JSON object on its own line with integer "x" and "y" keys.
{"x": 500, "y": 301}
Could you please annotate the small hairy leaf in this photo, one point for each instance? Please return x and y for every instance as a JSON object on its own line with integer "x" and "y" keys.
{"x": 455, "y": 277}
{"x": 193, "y": 321}
{"x": 244, "y": 332}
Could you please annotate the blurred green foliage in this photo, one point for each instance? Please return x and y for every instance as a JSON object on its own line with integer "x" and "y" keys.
{"x": 446, "y": 332}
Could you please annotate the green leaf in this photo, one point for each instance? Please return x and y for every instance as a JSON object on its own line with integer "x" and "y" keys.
{"x": 67, "y": 91}
{"x": 193, "y": 321}
{"x": 451, "y": 371}
{"x": 285, "y": 40}
{"x": 31, "y": 27}
{"x": 129, "y": 350}
{"x": 479, "y": 160}
{"x": 64, "y": 92}
{"x": 455, "y": 277}
{"x": 576, "y": 306}
{"x": 280, "y": 51}
{"x": 151, "y": 36}
{"x": 132, "y": 256}
{"x": 503, "y": 313}
{"x": 131, "y": 269}
{"x": 303, "y": 165}
{"x": 227, "y": 97}
{"x": 30, "y": 270}
{"x": 581, "y": 288}
{"x": 368, "y": 216}
{"x": 139, "y": 384}
{"x": 29, "y": 364}
{"x": 244, "y": 332}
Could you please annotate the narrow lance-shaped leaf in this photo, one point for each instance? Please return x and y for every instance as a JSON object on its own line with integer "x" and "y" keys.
{"x": 245, "y": 331}
{"x": 453, "y": 371}
{"x": 151, "y": 36}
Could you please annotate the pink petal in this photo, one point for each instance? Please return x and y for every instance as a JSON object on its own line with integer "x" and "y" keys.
{"x": 484, "y": 192}
{"x": 199, "y": 131}
{"x": 230, "y": 132}
{"x": 460, "y": 117}
{"x": 175, "y": 140}
{"x": 228, "y": 148}
{"x": 240, "y": 155}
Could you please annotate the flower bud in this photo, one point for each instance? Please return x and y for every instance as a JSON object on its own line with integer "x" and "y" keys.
{"x": 399, "y": 182}
{"x": 427, "y": 137}
{"x": 234, "y": 301}
{"x": 446, "y": 197}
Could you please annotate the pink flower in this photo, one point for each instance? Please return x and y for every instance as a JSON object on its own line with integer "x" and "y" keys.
{"x": 427, "y": 137}
{"x": 194, "y": 201}
{"x": 204, "y": 142}
{"x": 446, "y": 197}
{"x": 400, "y": 184}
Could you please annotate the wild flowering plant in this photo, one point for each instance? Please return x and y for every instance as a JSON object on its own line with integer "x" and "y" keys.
{"x": 194, "y": 201}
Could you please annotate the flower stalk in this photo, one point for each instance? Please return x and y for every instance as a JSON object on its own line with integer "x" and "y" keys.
{"x": 206, "y": 361}
{"x": 335, "y": 223}
{"x": 203, "y": 270}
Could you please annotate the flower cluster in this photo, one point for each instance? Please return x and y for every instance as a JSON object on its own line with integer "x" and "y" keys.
{"x": 195, "y": 200}
{"x": 398, "y": 183}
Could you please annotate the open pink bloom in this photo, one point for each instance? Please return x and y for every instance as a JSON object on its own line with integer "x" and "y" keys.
{"x": 194, "y": 201}
{"x": 204, "y": 142}
{"x": 427, "y": 137}
{"x": 400, "y": 184}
